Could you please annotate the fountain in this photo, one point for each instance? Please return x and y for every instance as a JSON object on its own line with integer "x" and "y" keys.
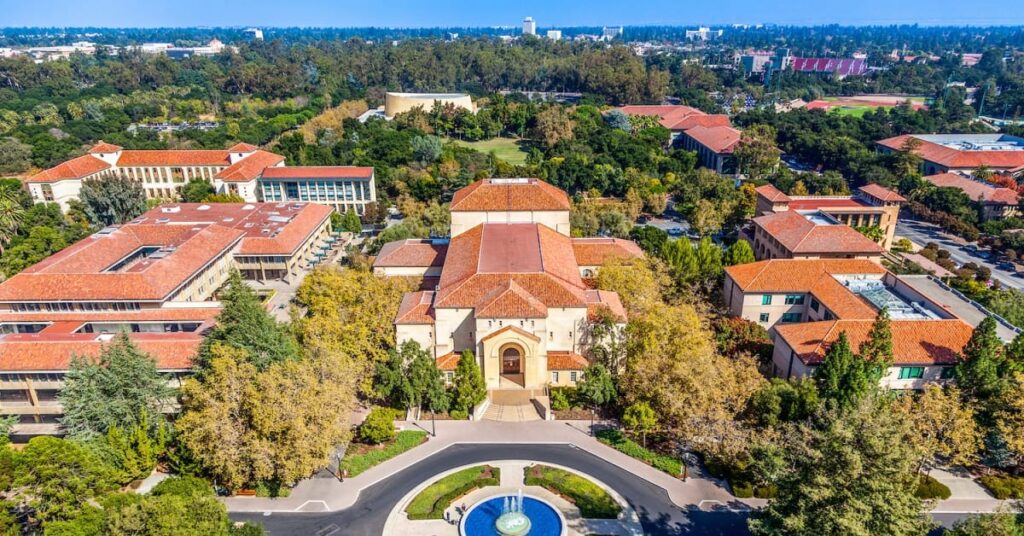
{"x": 512, "y": 515}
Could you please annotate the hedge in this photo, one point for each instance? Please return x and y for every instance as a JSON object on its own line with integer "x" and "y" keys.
{"x": 435, "y": 498}
{"x": 618, "y": 441}
{"x": 929, "y": 488}
{"x": 360, "y": 459}
{"x": 1003, "y": 487}
{"x": 592, "y": 500}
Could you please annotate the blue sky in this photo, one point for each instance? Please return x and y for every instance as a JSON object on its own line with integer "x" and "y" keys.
{"x": 548, "y": 13}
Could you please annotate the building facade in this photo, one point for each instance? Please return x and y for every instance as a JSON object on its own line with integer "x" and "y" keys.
{"x": 995, "y": 202}
{"x": 963, "y": 153}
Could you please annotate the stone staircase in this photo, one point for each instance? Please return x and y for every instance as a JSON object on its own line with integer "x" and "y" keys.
{"x": 513, "y": 405}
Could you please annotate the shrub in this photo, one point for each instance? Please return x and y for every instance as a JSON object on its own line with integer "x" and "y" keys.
{"x": 435, "y": 498}
{"x": 618, "y": 441}
{"x": 378, "y": 427}
{"x": 743, "y": 490}
{"x": 185, "y": 486}
{"x": 929, "y": 488}
{"x": 559, "y": 401}
{"x": 358, "y": 460}
{"x": 458, "y": 414}
{"x": 1003, "y": 487}
{"x": 592, "y": 500}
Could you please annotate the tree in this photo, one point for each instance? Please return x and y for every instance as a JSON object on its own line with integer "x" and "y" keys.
{"x": 350, "y": 222}
{"x": 118, "y": 389}
{"x": 739, "y": 252}
{"x": 1008, "y": 417}
{"x": 426, "y": 149}
{"x": 873, "y": 233}
{"x": 15, "y": 156}
{"x": 781, "y": 401}
{"x": 650, "y": 239}
{"x": 553, "y": 125}
{"x": 617, "y": 119}
{"x": 641, "y": 418}
{"x": 197, "y": 190}
{"x": 244, "y": 323}
{"x": 11, "y": 216}
{"x": 944, "y": 427}
{"x": 165, "y": 514}
{"x": 468, "y": 384}
{"x": 1001, "y": 523}
{"x": 426, "y": 383}
{"x": 378, "y": 427}
{"x": 846, "y": 473}
{"x": 844, "y": 378}
{"x": 57, "y": 477}
{"x": 979, "y": 373}
{"x": 112, "y": 199}
{"x": 877, "y": 349}
{"x": 596, "y": 387}
{"x": 756, "y": 151}
{"x": 638, "y": 285}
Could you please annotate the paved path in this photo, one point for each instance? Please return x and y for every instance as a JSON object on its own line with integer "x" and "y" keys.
{"x": 921, "y": 233}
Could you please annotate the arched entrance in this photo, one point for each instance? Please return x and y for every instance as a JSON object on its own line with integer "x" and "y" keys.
{"x": 511, "y": 360}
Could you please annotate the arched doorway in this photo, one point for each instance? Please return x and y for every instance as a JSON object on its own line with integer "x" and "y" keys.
{"x": 512, "y": 360}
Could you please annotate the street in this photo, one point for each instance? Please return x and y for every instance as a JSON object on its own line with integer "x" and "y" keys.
{"x": 921, "y": 233}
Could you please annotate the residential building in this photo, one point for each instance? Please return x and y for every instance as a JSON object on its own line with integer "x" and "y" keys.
{"x": 529, "y": 26}
{"x": 714, "y": 146}
{"x": 709, "y": 135}
{"x": 610, "y": 33}
{"x": 996, "y": 202}
{"x": 238, "y": 170}
{"x": 554, "y": 35}
{"x": 806, "y": 304}
{"x": 810, "y": 234}
{"x": 942, "y": 153}
{"x": 510, "y": 286}
{"x": 871, "y": 206}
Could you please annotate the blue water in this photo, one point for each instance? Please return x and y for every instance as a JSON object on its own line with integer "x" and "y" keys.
{"x": 543, "y": 519}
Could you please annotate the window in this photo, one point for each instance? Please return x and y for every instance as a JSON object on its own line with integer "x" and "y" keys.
{"x": 947, "y": 373}
{"x": 449, "y": 376}
{"x": 554, "y": 376}
{"x": 911, "y": 373}
{"x": 763, "y": 318}
{"x": 766, "y": 299}
{"x": 791, "y": 317}
{"x": 794, "y": 299}
{"x": 814, "y": 304}
{"x": 572, "y": 376}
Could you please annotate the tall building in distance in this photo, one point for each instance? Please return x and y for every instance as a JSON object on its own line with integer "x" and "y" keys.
{"x": 253, "y": 34}
{"x": 703, "y": 34}
{"x": 529, "y": 26}
{"x": 555, "y": 35}
{"x": 609, "y": 33}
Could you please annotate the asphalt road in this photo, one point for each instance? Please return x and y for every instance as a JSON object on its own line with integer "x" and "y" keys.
{"x": 922, "y": 233}
{"x": 658, "y": 514}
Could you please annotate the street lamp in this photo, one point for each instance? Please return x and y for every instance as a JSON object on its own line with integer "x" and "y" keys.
{"x": 433, "y": 425}
{"x": 593, "y": 415}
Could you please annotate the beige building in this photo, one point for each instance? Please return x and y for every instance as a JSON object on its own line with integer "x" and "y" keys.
{"x": 995, "y": 202}
{"x": 396, "y": 103}
{"x": 510, "y": 286}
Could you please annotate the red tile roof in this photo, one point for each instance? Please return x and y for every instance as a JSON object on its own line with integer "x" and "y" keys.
{"x": 813, "y": 203}
{"x": 492, "y": 195}
{"x": 716, "y": 139}
{"x": 76, "y": 168}
{"x": 160, "y": 158}
{"x": 448, "y": 362}
{"x": 595, "y": 251}
{"x": 242, "y": 148}
{"x": 416, "y": 308}
{"x": 778, "y": 276}
{"x": 143, "y": 315}
{"x": 772, "y": 193}
{"x": 799, "y": 235}
{"x": 250, "y": 167}
{"x": 603, "y": 299}
{"x": 318, "y": 172}
{"x": 104, "y": 147}
{"x": 975, "y": 189}
{"x": 915, "y": 342}
{"x": 509, "y": 300}
{"x": 513, "y": 329}
{"x": 677, "y": 117}
{"x": 412, "y": 252}
{"x": 33, "y": 352}
{"x": 954, "y": 159}
{"x": 882, "y": 193}
{"x": 566, "y": 361}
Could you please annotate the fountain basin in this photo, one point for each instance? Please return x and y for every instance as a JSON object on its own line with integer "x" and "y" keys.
{"x": 543, "y": 519}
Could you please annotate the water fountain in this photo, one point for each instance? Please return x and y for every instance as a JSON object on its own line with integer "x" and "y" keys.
{"x": 512, "y": 521}
{"x": 512, "y": 515}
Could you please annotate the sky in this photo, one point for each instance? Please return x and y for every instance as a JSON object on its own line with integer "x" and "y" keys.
{"x": 548, "y": 13}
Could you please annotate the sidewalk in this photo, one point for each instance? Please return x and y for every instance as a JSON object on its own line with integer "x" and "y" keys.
{"x": 328, "y": 494}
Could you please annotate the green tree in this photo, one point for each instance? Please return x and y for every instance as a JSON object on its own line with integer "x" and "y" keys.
{"x": 166, "y": 515}
{"x": 350, "y": 222}
{"x": 617, "y": 119}
{"x": 118, "y": 389}
{"x": 391, "y": 383}
{"x": 197, "y": 190}
{"x": 244, "y": 323}
{"x": 597, "y": 387}
{"x": 468, "y": 384}
{"x": 12, "y": 214}
{"x": 846, "y": 473}
{"x": 641, "y": 418}
{"x": 378, "y": 427}
{"x": 650, "y": 239}
{"x": 877, "y": 349}
{"x": 739, "y": 252}
{"x": 112, "y": 200}
{"x": 15, "y": 156}
{"x": 57, "y": 477}
{"x": 843, "y": 378}
{"x": 1001, "y": 523}
{"x": 756, "y": 151}
{"x": 426, "y": 149}
{"x": 426, "y": 384}
{"x": 979, "y": 374}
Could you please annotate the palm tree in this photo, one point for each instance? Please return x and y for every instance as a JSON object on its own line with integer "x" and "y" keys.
{"x": 11, "y": 216}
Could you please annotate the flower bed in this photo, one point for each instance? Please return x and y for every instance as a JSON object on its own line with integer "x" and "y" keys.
{"x": 437, "y": 497}
{"x": 361, "y": 457}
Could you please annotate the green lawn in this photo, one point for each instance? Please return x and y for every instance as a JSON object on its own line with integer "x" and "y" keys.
{"x": 435, "y": 498}
{"x": 618, "y": 441}
{"x": 360, "y": 457}
{"x": 592, "y": 500}
{"x": 507, "y": 149}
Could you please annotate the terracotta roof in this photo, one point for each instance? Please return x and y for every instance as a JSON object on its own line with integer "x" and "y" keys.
{"x": 915, "y": 342}
{"x": 772, "y": 194}
{"x": 143, "y": 315}
{"x": 816, "y": 202}
{"x": 30, "y": 352}
{"x": 104, "y": 147}
{"x": 566, "y": 361}
{"x": 955, "y": 159}
{"x": 79, "y": 272}
{"x": 815, "y": 276}
{"x": 594, "y": 251}
{"x": 513, "y": 329}
{"x": 250, "y": 167}
{"x": 882, "y": 193}
{"x": 975, "y": 189}
{"x": 269, "y": 228}
{"x": 676, "y": 116}
{"x": 509, "y": 300}
{"x": 413, "y": 252}
{"x": 416, "y": 308}
{"x": 492, "y": 195}
{"x": 159, "y": 158}
{"x": 449, "y": 361}
{"x": 703, "y": 120}
{"x": 717, "y": 139}
{"x": 318, "y": 172}
{"x": 76, "y": 168}
{"x": 603, "y": 299}
{"x": 799, "y": 235}
{"x": 243, "y": 148}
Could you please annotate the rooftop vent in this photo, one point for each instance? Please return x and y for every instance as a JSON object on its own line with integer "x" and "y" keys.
{"x": 105, "y": 231}
{"x": 170, "y": 210}
{"x": 163, "y": 220}
{"x": 279, "y": 219}
{"x": 510, "y": 181}
{"x": 228, "y": 220}
{"x": 105, "y": 337}
{"x": 203, "y": 207}
{"x": 248, "y": 207}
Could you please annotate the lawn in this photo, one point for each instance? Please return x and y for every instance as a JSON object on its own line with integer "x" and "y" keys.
{"x": 618, "y": 441}
{"x": 361, "y": 457}
{"x": 507, "y": 149}
{"x": 435, "y": 498}
{"x": 592, "y": 500}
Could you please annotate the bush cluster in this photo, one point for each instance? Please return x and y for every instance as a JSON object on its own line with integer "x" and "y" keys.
{"x": 1003, "y": 487}
{"x": 489, "y": 476}
{"x": 618, "y": 441}
{"x": 591, "y": 499}
{"x": 929, "y": 488}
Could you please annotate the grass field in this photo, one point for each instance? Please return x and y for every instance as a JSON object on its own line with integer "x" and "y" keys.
{"x": 592, "y": 500}
{"x": 435, "y": 498}
{"x": 507, "y": 149}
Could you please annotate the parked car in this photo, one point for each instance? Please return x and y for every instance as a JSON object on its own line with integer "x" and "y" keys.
{"x": 675, "y": 231}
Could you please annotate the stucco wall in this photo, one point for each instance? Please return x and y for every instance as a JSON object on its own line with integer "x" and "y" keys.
{"x": 557, "y": 220}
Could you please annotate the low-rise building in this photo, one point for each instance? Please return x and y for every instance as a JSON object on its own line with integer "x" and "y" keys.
{"x": 709, "y": 135}
{"x": 996, "y": 202}
{"x": 806, "y": 304}
{"x": 810, "y": 234}
{"x": 871, "y": 206}
{"x": 942, "y": 153}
